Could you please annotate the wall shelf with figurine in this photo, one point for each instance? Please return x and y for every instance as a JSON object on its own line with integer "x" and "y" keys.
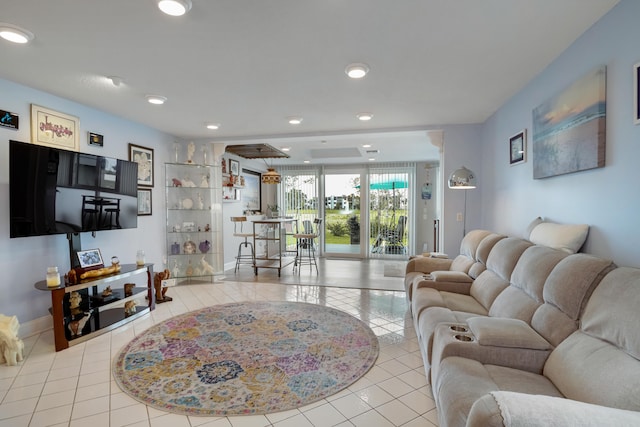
{"x": 194, "y": 221}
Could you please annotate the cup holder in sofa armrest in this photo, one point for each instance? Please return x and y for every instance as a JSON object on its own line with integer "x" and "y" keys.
{"x": 463, "y": 338}
{"x": 459, "y": 328}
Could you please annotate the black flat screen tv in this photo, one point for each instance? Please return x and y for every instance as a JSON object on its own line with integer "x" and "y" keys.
{"x": 54, "y": 191}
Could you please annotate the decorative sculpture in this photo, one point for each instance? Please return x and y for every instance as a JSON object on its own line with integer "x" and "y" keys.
{"x": 191, "y": 149}
{"x": 161, "y": 292}
{"x": 11, "y": 347}
{"x": 129, "y": 308}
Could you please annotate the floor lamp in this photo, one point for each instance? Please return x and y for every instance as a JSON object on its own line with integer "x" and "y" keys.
{"x": 463, "y": 179}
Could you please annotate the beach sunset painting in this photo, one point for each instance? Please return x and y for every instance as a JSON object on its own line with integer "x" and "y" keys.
{"x": 569, "y": 129}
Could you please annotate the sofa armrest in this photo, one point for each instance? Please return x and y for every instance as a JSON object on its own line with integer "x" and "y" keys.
{"x": 503, "y": 408}
{"x": 451, "y": 340}
{"x": 427, "y": 264}
{"x": 504, "y": 332}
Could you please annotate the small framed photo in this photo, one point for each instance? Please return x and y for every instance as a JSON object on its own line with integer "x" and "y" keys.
{"x": 90, "y": 258}
{"x": 95, "y": 139}
{"x": 144, "y": 201}
{"x": 143, "y": 156}
{"x": 234, "y": 167}
{"x": 518, "y": 148}
{"x": 636, "y": 94}
{"x": 189, "y": 226}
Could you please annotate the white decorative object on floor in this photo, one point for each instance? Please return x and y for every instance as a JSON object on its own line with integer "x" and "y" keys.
{"x": 11, "y": 347}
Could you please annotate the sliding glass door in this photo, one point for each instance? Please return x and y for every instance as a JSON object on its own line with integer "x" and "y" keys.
{"x": 343, "y": 214}
{"x": 366, "y": 210}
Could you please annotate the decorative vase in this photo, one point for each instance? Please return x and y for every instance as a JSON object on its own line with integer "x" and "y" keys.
{"x": 205, "y": 246}
{"x": 175, "y": 248}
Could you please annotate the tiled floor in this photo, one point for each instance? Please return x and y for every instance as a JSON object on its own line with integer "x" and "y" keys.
{"x": 75, "y": 387}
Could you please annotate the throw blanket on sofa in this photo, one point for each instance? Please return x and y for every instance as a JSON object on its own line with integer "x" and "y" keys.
{"x": 525, "y": 410}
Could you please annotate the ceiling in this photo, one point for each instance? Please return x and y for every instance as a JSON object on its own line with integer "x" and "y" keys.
{"x": 248, "y": 65}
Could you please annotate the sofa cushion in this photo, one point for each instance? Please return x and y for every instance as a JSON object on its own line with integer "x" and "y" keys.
{"x": 525, "y": 295}
{"x": 591, "y": 370}
{"x": 613, "y": 312}
{"x": 502, "y": 332}
{"x": 463, "y": 381}
{"x": 566, "y": 237}
{"x": 600, "y": 363}
{"x": 500, "y": 264}
{"x": 572, "y": 282}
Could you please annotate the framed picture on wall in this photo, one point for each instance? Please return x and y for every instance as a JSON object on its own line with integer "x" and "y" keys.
{"x": 234, "y": 167}
{"x": 144, "y": 201}
{"x": 251, "y": 194}
{"x": 143, "y": 156}
{"x": 518, "y": 148}
{"x": 54, "y": 129}
{"x": 636, "y": 94}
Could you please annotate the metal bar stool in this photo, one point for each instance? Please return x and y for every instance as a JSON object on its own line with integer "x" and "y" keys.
{"x": 306, "y": 245}
{"x": 243, "y": 258}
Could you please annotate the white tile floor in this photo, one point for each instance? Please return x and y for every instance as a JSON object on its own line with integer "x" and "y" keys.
{"x": 75, "y": 387}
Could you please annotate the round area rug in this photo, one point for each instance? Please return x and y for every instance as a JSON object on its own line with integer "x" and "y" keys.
{"x": 246, "y": 358}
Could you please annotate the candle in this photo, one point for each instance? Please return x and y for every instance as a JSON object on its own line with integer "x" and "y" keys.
{"x": 53, "y": 278}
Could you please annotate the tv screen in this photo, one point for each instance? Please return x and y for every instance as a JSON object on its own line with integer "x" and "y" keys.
{"x": 54, "y": 191}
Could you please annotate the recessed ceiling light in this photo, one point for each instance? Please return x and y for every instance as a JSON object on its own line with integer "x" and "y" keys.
{"x": 285, "y": 148}
{"x": 156, "y": 99}
{"x": 357, "y": 70}
{"x": 366, "y": 145}
{"x": 306, "y": 161}
{"x": 371, "y": 159}
{"x": 294, "y": 120}
{"x": 213, "y": 126}
{"x": 364, "y": 116}
{"x": 174, "y": 7}
{"x": 15, "y": 34}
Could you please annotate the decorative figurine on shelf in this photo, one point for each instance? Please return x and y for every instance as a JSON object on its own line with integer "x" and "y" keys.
{"x": 241, "y": 180}
{"x": 107, "y": 292}
{"x": 204, "y": 183}
{"x": 79, "y": 318}
{"x": 189, "y": 269}
{"x": 204, "y": 246}
{"x": 128, "y": 289}
{"x": 161, "y": 292}
{"x": 204, "y": 154}
{"x": 191, "y": 149}
{"x": 189, "y": 246}
{"x": 186, "y": 182}
{"x": 176, "y": 182}
{"x": 200, "y": 201}
{"x": 129, "y": 308}
{"x": 175, "y": 248}
{"x": 207, "y": 228}
{"x": 206, "y": 267}
{"x": 176, "y": 268}
{"x": 223, "y": 164}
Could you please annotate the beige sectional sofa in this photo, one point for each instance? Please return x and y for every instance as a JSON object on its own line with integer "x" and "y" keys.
{"x": 536, "y": 321}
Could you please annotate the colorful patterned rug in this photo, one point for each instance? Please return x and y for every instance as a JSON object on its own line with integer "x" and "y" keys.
{"x": 246, "y": 358}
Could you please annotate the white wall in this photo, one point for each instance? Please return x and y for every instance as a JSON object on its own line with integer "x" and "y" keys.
{"x": 24, "y": 261}
{"x": 608, "y": 198}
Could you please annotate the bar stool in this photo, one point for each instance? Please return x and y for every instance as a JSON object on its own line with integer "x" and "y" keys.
{"x": 306, "y": 245}
{"x": 243, "y": 258}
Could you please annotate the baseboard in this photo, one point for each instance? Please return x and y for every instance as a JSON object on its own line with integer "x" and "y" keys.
{"x": 35, "y": 326}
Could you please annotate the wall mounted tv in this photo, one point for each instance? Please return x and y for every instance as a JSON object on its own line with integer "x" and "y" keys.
{"x": 54, "y": 191}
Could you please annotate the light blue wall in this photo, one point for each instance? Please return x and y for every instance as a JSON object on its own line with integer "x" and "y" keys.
{"x": 608, "y": 199}
{"x": 24, "y": 261}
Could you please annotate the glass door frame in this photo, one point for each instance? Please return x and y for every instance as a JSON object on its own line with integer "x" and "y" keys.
{"x": 363, "y": 216}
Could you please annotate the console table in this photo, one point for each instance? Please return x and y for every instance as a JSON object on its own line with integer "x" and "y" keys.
{"x": 103, "y": 315}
